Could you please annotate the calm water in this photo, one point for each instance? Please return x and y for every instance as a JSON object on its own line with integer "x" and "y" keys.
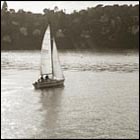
{"x": 100, "y": 98}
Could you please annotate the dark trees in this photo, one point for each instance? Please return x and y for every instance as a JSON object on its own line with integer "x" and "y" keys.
{"x": 101, "y": 27}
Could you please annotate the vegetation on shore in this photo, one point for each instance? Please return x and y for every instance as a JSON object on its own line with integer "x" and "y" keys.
{"x": 98, "y": 28}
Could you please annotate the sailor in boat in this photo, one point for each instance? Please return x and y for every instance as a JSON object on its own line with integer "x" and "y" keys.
{"x": 41, "y": 79}
{"x": 46, "y": 77}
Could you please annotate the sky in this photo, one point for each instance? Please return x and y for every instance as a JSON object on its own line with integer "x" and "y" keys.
{"x": 69, "y": 6}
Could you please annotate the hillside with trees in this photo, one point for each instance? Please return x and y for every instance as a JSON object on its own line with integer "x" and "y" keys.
{"x": 99, "y": 28}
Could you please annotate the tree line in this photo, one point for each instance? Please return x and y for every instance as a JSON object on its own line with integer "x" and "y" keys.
{"x": 98, "y": 28}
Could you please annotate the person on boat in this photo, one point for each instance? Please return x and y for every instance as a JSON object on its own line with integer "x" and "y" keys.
{"x": 47, "y": 77}
{"x": 40, "y": 79}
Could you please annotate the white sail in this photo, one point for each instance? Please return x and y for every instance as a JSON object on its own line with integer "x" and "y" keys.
{"x": 46, "y": 62}
{"x": 57, "y": 72}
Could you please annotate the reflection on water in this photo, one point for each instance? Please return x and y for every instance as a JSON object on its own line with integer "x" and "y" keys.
{"x": 50, "y": 100}
{"x": 51, "y": 104}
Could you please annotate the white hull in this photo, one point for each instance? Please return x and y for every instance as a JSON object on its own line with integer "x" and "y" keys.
{"x": 48, "y": 83}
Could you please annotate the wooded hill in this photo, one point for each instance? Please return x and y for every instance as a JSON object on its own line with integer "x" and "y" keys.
{"x": 98, "y": 28}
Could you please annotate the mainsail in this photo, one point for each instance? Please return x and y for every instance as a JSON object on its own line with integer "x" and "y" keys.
{"x": 46, "y": 62}
{"x": 57, "y": 72}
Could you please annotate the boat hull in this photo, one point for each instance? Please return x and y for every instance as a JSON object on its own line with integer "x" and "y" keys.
{"x": 48, "y": 84}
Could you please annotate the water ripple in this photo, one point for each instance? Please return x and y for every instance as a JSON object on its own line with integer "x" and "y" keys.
{"x": 77, "y": 62}
{"x": 78, "y": 67}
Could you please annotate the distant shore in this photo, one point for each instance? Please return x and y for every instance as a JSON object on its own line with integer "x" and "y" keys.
{"x": 100, "y": 28}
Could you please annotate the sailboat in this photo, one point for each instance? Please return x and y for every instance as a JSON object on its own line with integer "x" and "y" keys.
{"x": 51, "y": 74}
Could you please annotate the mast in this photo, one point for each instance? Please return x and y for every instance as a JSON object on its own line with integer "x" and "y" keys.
{"x": 51, "y": 37}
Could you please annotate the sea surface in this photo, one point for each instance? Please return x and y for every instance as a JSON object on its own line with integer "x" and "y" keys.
{"x": 100, "y": 98}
